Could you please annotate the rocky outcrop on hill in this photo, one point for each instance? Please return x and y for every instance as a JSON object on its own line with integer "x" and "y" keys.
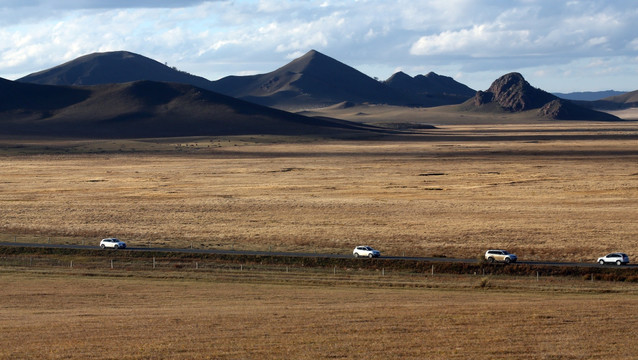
{"x": 511, "y": 92}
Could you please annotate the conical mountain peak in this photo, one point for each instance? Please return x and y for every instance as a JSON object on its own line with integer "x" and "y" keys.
{"x": 112, "y": 68}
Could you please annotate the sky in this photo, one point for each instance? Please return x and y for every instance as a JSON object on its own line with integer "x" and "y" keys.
{"x": 558, "y": 46}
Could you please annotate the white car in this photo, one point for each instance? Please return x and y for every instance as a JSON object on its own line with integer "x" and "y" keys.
{"x": 614, "y": 258}
{"x": 113, "y": 243}
{"x": 500, "y": 255}
{"x": 365, "y": 251}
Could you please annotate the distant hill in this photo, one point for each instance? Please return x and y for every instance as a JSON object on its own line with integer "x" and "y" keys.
{"x": 431, "y": 89}
{"x": 113, "y": 68}
{"x": 588, "y": 95}
{"x": 313, "y": 80}
{"x": 617, "y": 102}
{"x": 512, "y": 93}
{"x": 147, "y": 109}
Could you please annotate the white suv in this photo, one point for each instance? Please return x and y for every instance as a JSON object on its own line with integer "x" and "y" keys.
{"x": 365, "y": 251}
{"x": 500, "y": 255}
{"x": 112, "y": 243}
{"x": 617, "y": 258}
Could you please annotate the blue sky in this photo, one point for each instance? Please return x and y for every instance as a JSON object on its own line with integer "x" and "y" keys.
{"x": 559, "y": 46}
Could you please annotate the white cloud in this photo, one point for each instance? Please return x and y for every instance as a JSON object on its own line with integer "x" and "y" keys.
{"x": 475, "y": 39}
{"x": 478, "y": 41}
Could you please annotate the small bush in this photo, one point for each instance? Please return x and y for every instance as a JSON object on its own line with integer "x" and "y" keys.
{"x": 484, "y": 283}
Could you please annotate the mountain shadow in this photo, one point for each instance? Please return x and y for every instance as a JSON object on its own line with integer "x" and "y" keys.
{"x": 148, "y": 109}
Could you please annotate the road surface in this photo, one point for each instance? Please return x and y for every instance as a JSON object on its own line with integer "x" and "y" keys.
{"x": 292, "y": 254}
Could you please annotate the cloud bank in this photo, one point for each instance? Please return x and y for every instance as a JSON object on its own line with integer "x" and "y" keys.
{"x": 559, "y": 46}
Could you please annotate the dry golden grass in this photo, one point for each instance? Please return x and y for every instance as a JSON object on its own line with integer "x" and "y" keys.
{"x": 64, "y": 315}
{"x": 465, "y": 190}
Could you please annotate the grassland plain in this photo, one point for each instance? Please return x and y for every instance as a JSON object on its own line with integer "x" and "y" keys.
{"x": 71, "y": 314}
{"x": 563, "y": 192}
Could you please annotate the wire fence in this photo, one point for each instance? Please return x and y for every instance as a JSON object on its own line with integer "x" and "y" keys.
{"x": 164, "y": 264}
{"x": 164, "y": 243}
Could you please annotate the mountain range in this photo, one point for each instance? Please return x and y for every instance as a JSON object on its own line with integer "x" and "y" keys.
{"x": 122, "y": 94}
{"x": 313, "y": 80}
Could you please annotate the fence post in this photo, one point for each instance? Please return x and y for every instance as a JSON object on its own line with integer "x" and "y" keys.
{"x": 382, "y": 271}
{"x": 111, "y": 263}
{"x": 537, "y": 276}
{"x": 432, "y": 270}
{"x": 153, "y": 262}
{"x": 71, "y": 264}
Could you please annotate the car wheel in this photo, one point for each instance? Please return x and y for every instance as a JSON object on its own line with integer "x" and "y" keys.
{"x": 102, "y": 246}
{"x": 490, "y": 260}
{"x": 618, "y": 262}
{"x": 508, "y": 260}
{"x": 602, "y": 262}
{"x": 356, "y": 255}
{"x": 116, "y": 247}
{"x": 370, "y": 256}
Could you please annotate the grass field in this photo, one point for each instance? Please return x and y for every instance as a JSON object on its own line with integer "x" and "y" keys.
{"x": 561, "y": 192}
{"x": 71, "y": 314}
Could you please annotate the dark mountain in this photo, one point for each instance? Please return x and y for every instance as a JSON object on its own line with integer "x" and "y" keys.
{"x": 511, "y": 92}
{"x": 146, "y": 109}
{"x": 113, "y": 68}
{"x": 588, "y": 95}
{"x": 431, "y": 89}
{"x": 313, "y": 80}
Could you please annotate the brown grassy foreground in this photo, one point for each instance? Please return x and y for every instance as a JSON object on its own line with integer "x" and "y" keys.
{"x": 65, "y": 314}
{"x": 564, "y": 192}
